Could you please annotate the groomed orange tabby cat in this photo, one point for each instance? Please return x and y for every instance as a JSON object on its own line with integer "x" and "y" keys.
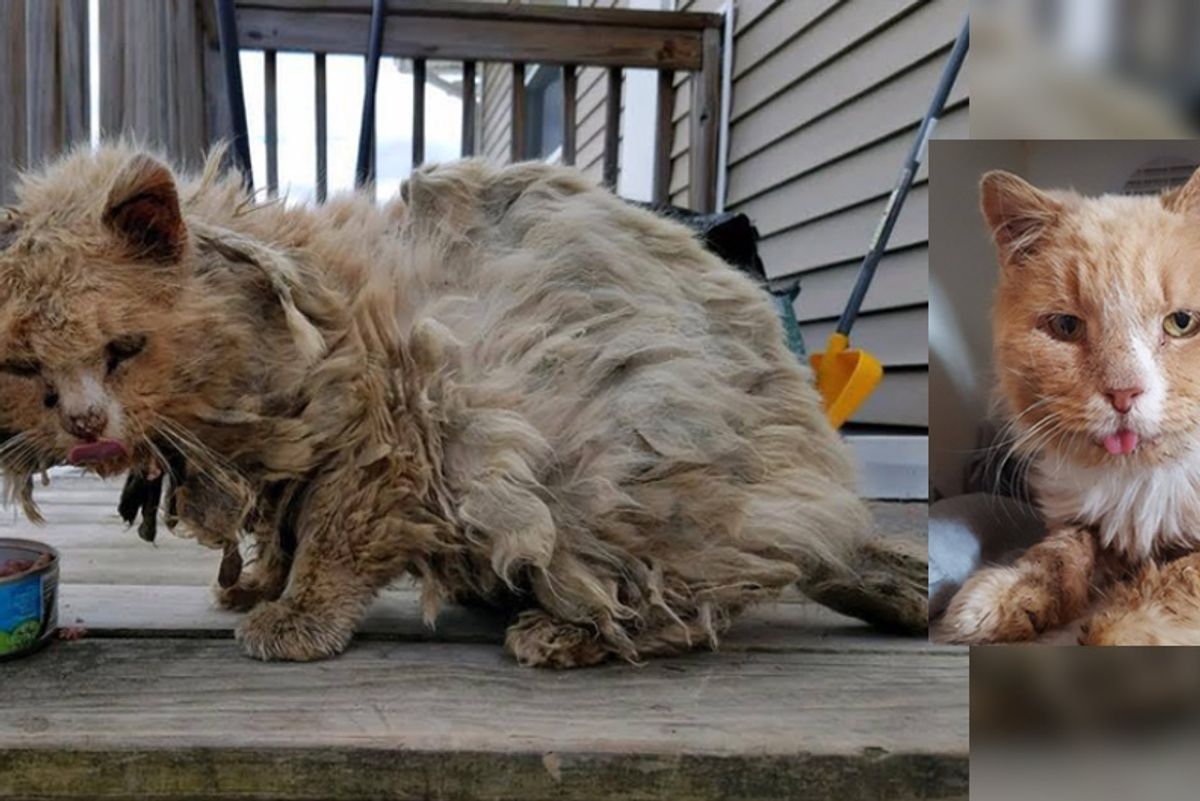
{"x": 509, "y": 384}
{"x": 1098, "y": 359}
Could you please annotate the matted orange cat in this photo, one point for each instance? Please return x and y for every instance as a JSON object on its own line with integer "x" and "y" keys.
{"x": 508, "y": 383}
{"x": 1098, "y": 362}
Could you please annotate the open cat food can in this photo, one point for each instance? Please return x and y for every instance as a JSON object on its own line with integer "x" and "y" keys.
{"x": 28, "y": 596}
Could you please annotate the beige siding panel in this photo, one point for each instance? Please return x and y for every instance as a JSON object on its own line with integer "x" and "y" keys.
{"x": 888, "y": 109}
{"x": 902, "y": 399}
{"x": 749, "y": 12}
{"x": 679, "y": 173}
{"x": 839, "y": 34}
{"x": 898, "y": 338}
{"x": 679, "y": 127}
{"x": 496, "y": 137}
{"x": 893, "y": 51}
{"x": 773, "y": 30}
{"x": 679, "y": 180}
{"x": 902, "y": 279}
{"x": 855, "y": 179}
{"x": 845, "y": 236}
{"x": 498, "y": 80}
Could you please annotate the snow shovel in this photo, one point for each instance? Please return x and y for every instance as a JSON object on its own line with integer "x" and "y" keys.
{"x": 847, "y": 376}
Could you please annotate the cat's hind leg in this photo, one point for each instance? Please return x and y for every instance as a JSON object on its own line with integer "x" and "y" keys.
{"x": 1048, "y": 586}
{"x": 538, "y": 639}
{"x": 1161, "y": 606}
{"x": 884, "y": 582}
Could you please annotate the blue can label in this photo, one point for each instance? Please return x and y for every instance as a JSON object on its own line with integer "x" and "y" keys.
{"x": 20, "y": 614}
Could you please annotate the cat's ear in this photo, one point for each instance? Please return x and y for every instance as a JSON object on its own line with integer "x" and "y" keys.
{"x": 1018, "y": 213}
{"x": 1184, "y": 199}
{"x": 143, "y": 210}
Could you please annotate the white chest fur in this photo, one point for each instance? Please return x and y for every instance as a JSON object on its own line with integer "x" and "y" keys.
{"x": 1136, "y": 510}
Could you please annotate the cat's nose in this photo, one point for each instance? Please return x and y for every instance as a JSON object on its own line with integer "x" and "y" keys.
{"x": 87, "y": 425}
{"x": 1122, "y": 399}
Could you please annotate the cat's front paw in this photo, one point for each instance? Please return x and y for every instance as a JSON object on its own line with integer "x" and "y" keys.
{"x": 278, "y": 631}
{"x": 997, "y": 605}
{"x": 241, "y": 597}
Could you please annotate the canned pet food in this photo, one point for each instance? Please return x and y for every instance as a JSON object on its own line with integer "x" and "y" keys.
{"x": 28, "y": 596}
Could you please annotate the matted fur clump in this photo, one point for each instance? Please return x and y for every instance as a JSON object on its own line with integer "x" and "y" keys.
{"x": 507, "y": 382}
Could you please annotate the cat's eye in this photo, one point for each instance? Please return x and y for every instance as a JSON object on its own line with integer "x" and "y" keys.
{"x": 21, "y": 369}
{"x": 1066, "y": 327}
{"x": 123, "y": 349}
{"x": 1182, "y": 324}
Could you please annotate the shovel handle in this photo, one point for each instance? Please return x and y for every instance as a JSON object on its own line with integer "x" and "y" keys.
{"x": 913, "y": 163}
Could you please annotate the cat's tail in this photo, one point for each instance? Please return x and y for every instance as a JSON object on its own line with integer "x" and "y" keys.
{"x": 883, "y": 581}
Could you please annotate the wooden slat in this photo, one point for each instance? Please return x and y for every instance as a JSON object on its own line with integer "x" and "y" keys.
{"x": 271, "y": 114}
{"x": 418, "y": 113}
{"x": 468, "y": 109}
{"x": 499, "y": 13}
{"x": 705, "y": 120}
{"x": 570, "y": 89}
{"x": 612, "y": 127}
{"x": 322, "y": 126}
{"x": 663, "y": 131}
{"x": 452, "y": 38}
{"x": 12, "y": 88}
{"x": 74, "y": 82}
{"x": 192, "y": 718}
{"x": 41, "y": 76}
{"x": 194, "y": 136}
{"x": 158, "y": 610}
{"x": 520, "y": 112}
{"x": 112, "y": 68}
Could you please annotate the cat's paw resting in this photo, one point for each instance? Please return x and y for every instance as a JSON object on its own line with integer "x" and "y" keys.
{"x": 998, "y": 605}
{"x": 538, "y": 640}
{"x": 279, "y": 631}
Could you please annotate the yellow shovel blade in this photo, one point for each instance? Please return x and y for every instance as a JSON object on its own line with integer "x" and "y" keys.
{"x": 845, "y": 378}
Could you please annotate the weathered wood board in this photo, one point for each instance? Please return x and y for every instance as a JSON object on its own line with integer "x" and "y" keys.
{"x": 188, "y": 718}
{"x": 158, "y": 702}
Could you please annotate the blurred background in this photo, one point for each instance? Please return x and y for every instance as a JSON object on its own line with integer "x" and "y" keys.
{"x": 1085, "y": 69}
{"x": 1084, "y": 724}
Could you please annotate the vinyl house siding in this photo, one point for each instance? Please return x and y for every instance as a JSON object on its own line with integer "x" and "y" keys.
{"x": 827, "y": 97}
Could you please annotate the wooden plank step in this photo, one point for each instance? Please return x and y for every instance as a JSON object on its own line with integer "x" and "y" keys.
{"x": 186, "y": 611}
{"x": 183, "y": 718}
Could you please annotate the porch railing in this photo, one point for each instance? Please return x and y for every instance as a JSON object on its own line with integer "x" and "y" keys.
{"x": 475, "y": 33}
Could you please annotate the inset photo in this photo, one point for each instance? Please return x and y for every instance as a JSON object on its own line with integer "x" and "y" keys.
{"x": 1064, "y": 343}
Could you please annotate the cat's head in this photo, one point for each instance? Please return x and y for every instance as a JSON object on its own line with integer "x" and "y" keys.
{"x": 93, "y": 260}
{"x": 1096, "y": 321}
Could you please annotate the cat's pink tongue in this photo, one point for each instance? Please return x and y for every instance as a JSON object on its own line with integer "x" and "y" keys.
{"x": 95, "y": 452}
{"x": 1121, "y": 442}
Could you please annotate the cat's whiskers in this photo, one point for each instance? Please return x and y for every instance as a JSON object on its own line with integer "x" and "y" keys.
{"x": 207, "y": 462}
{"x": 1027, "y": 442}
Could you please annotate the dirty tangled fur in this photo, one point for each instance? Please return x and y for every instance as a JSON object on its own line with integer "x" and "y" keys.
{"x": 518, "y": 388}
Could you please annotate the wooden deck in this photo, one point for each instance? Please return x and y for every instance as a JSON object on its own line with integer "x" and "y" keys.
{"x": 157, "y": 702}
